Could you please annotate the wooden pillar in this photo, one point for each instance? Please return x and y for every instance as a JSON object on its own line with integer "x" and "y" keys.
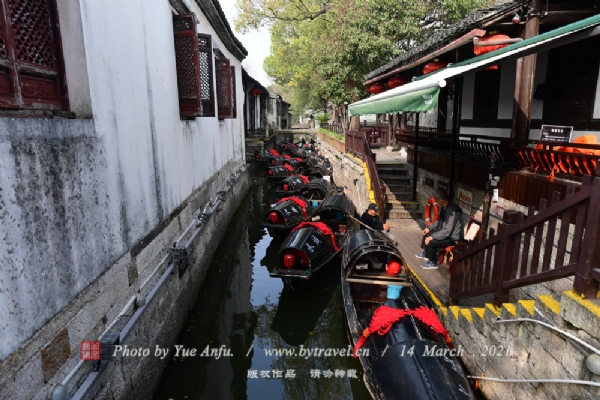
{"x": 532, "y": 28}
{"x": 390, "y": 130}
{"x": 456, "y": 114}
{"x": 416, "y": 158}
{"x": 517, "y": 99}
{"x": 442, "y": 109}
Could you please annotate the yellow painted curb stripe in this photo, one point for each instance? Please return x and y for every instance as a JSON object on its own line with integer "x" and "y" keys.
{"x": 493, "y": 308}
{"x": 368, "y": 182}
{"x": 467, "y": 314}
{"x": 480, "y": 311}
{"x": 433, "y": 297}
{"x": 592, "y": 307}
{"x": 528, "y": 305}
{"x": 454, "y": 310}
{"x": 444, "y": 311}
{"x": 550, "y": 302}
{"x": 511, "y": 308}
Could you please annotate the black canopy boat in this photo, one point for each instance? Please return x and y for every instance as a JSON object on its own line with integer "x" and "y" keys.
{"x": 402, "y": 345}
{"x": 285, "y": 215}
{"x": 312, "y": 244}
{"x": 292, "y": 185}
{"x": 262, "y": 156}
{"x": 279, "y": 172}
{"x": 317, "y": 190}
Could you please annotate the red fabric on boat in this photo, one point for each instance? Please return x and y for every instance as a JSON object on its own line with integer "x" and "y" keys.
{"x": 298, "y": 201}
{"x": 287, "y": 157}
{"x": 298, "y": 159}
{"x": 289, "y": 167}
{"x": 304, "y": 178}
{"x": 384, "y": 317}
{"x": 321, "y": 227}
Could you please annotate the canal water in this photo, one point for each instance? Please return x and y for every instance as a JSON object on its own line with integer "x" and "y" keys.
{"x": 255, "y": 340}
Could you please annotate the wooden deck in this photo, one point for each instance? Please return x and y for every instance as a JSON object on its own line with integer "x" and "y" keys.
{"x": 438, "y": 280}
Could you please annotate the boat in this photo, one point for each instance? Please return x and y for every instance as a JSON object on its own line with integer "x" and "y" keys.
{"x": 317, "y": 190}
{"x": 270, "y": 157}
{"x": 286, "y": 214}
{"x": 279, "y": 172}
{"x": 292, "y": 185}
{"x": 313, "y": 168}
{"x": 404, "y": 349}
{"x": 312, "y": 244}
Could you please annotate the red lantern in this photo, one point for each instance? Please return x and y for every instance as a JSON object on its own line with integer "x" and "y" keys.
{"x": 396, "y": 81}
{"x": 434, "y": 66}
{"x": 479, "y": 50}
{"x": 256, "y": 92}
{"x": 377, "y": 88}
{"x": 368, "y": 89}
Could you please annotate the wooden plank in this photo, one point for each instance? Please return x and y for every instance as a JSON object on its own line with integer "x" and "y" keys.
{"x": 514, "y": 263}
{"x": 378, "y": 282}
{"x": 550, "y": 235}
{"x": 476, "y": 292}
{"x": 488, "y": 264}
{"x": 580, "y": 221}
{"x": 527, "y": 242}
{"x": 542, "y": 276}
{"x": 537, "y": 243}
{"x": 564, "y": 230}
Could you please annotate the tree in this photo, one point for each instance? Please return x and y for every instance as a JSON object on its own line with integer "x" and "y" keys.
{"x": 322, "y": 49}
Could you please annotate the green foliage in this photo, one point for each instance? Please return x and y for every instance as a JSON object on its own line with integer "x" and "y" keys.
{"x": 334, "y": 135}
{"x": 321, "y": 50}
{"x": 323, "y": 118}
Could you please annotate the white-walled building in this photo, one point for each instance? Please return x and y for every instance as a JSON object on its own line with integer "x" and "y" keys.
{"x": 114, "y": 117}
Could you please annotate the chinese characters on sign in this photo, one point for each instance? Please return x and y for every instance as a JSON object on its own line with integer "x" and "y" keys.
{"x": 291, "y": 373}
{"x": 465, "y": 200}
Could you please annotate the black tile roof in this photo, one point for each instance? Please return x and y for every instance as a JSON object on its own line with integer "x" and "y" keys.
{"x": 441, "y": 38}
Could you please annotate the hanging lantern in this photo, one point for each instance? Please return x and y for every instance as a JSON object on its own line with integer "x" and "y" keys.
{"x": 256, "y": 92}
{"x": 377, "y": 88}
{"x": 368, "y": 89}
{"x": 396, "y": 81}
{"x": 497, "y": 42}
{"x": 434, "y": 66}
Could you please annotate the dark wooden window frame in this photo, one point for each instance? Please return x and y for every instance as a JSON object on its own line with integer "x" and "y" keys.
{"x": 207, "y": 89}
{"x": 187, "y": 61}
{"x": 32, "y": 72}
{"x": 223, "y": 89}
{"x": 233, "y": 102}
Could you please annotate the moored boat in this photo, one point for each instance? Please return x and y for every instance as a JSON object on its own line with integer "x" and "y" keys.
{"x": 279, "y": 172}
{"x": 312, "y": 244}
{"x": 317, "y": 190}
{"x": 292, "y": 185}
{"x": 403, "y": 347}
{"x": 285, "y": 215}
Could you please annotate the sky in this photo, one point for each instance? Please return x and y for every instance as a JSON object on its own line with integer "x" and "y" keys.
{"x": 258, "y": 44}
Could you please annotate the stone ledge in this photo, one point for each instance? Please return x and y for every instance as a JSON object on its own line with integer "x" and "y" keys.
{"x": 584, "y": 314}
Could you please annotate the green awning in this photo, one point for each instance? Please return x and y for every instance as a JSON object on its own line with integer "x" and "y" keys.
{"x": 418, "y": 101}
{"x": 409, "y": 97}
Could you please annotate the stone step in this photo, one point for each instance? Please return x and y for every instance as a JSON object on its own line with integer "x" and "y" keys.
{"x": 391, "y": 170}
{"x": 399, "y": 196}
{"x": 400, "y": 173}
{"x": 403, "y": 224}
{"x": 397, "y": 187}
{"x": 408, "y": 205}
{"x": 403, "y": 214}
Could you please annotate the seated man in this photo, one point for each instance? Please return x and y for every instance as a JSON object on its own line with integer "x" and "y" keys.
{"x": 371, "y": 219}
{"x": 446, "y": 231}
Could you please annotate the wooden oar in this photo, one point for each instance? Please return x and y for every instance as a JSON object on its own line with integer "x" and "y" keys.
{"x": 387, "y": 238}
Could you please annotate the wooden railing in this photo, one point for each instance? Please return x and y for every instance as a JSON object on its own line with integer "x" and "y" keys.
{"x": 551, "y": 157}
{"x": 336, "y": 128}
{"x": 523, "y": 251}
{"x": 358, "y": 145}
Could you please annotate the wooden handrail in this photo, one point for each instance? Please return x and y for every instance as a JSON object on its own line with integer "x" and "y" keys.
{"x": 506, "y": 259}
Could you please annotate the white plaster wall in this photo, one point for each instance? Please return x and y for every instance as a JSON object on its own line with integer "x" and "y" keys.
{"x": 77, "y": 194}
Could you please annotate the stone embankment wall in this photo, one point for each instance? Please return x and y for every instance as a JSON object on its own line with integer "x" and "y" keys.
{"x": 526, "y": 350}
{"x": 52, "y": 355}
{"x": 348, "y": 171}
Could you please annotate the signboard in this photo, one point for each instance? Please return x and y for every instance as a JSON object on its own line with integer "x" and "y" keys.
{"x": 465, "y": 199}
{"x": 556, "y": 133}
{"x": 374, "y": 133}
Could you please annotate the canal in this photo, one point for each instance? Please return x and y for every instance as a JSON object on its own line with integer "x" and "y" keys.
{"x": 255, "y": 340}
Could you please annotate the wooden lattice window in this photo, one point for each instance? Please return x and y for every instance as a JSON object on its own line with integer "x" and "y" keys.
{"x": 187, "y": 60}
{"x": 206, "y": 75}
{"x": 223, "y": 73}
{"x": 31, "y": 66}
{"x": 233, "y": 102}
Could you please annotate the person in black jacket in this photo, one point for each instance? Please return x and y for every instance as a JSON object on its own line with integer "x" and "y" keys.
{"x": 446, "y": 231}
{"x": 371, "y": 219}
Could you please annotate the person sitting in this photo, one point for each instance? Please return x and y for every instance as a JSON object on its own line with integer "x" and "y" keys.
{"x": 371, "y": 219}
{"x": 444, "y": 232}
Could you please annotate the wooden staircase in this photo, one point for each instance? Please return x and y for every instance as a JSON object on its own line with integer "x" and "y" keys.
{"x": 401, "y": 212}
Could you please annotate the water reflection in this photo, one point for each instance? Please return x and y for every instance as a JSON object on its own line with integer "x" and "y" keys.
{"x": 241, "y": 308}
